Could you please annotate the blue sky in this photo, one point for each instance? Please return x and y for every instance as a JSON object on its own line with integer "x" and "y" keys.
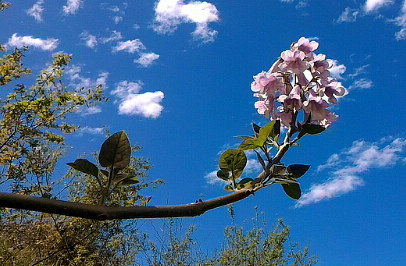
{"x": 178, "y": 76}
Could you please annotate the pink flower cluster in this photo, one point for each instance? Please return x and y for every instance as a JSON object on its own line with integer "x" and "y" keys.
{"x": 298, "y": 80}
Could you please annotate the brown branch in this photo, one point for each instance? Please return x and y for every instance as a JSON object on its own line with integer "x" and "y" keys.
{"x": 98, "y": 212}
{"x": 101, "y": 212}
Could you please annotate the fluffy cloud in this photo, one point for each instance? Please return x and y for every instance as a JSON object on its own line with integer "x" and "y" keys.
{"x": 130, "y": 46}
{"x": 72, "y": 6}
{"x": 374, "y": 5}
{"x": 350, "y": 164}
{"x": 337, "y": 70}
{"x": 90, "y": 40}
{"x": 36, "y": 10}
{"x": 20, "y": 41}
{"x": 146, "y": 59}
{"x": 131, "y": 102}
{"x": 170, "y": 13}
{"x": 349, "y": 15}
{"x": 401, "y": 21}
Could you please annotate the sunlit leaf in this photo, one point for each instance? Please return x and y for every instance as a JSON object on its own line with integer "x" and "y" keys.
{"x": 228, "y": 188}
{"x": 233, "y": 160}
{"x": 272, "y": 129}
{"x": 244, "y": 183}
{"x": 116, "y": 151}
{"x": 251, "y": 143}
{"x": 130, "y": 180}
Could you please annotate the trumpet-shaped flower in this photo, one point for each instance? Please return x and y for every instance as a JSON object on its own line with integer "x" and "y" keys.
{"x": 316, "y": 107}
{"x": 307, "y": 46}
{"x": 293, "y": 61}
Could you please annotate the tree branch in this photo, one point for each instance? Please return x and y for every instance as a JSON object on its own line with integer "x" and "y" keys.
{"x": 98, "y": 212}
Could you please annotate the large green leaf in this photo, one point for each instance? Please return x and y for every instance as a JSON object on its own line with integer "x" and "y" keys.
{"x": 84, "y": 166}
{"x": 292, "y": 190}
{"x": 234, "y": 161}
{"x": 116, "y": 151}
{"x": 272, "y": 129}
{"x": 251, "y": 143}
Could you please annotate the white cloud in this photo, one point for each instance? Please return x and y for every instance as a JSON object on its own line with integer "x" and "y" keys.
{"x": 125, "y": 88}
{"x": 85, "y": 111}
{"x": 361, "y": 84}
{"x": 90, "y": 40}
{"x": 146, "y": 104}
{"x": 72, "y": 6}
{"x": 374, "y": 5}
{"x": 170, "y": 13}
{"x": 212, "y": 179}
{"x": 401, "y": 21}
{"x": 36, "y": 10}
{"x": 146, "y": 59}
{"x": 348, "y": 15}
{"x": 92, "y": 130}
{"x": 350, "y": 164}
{"x": 131, "y": 102}
{"x": 78, "y": 81}
{"x": 115, "y": 36}
{"x": 130, "y": 46}
{"x": 337, "y": 70}
{"x": 117, "y": 19}
{"x": 20, "y": 41}
{"x": 359, "y": 70}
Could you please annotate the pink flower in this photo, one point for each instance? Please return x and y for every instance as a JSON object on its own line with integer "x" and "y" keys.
{"x": 307, "y": 46}
{"x": 316, "y": 107}
{"x": 332, "y": 89}
{"x": 266, "y": 82}
{"x": 293, "y": 100}
{"x": 320, "y": 63}
{"x": 265, "y": 106}
{"x": 293, "y": 61}
{"x": 285, "y": 116}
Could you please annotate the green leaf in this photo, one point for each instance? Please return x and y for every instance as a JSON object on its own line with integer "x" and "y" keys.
{"x": 130, "y": 180}
{"x": 116, "y": 151}
{"x": 234, "y": 161}
{"x": 84, "y": 166}
{"x": 246, "y": 136}
{"x": 312, "y": 129}
{"x": 272, "y": 129}
{"x": 297, "y": 170}
{"x": 244, "y": 183}
{"x": 223, "y": 174}
{"x": 251, "y": 143}
{"x": 292, "y": 190}
{"x": 229, "y": 188}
